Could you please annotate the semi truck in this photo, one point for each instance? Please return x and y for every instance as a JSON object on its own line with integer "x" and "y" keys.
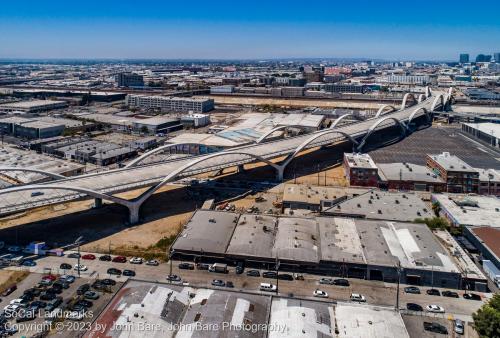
{"x": 492, "y": 271}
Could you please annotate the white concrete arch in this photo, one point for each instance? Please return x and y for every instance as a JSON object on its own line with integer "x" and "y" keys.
{"x": 340, "y": 118}
{"x": 272, "y": 131}
{"x": 174, "y": 174}
{"x": 440, "y": 97}
{"x": 31, "y": 170}
{"x": 427, "y": 92}
{"x": 421, "y": 97}
{"x": 307, "y": 142}
{"x": 415, "y": 112}
{"x": 381, "y": 110}
{"x": 405, "y": 99}
{"x": 155, "y": 151}
{"x": 375, "y": 125}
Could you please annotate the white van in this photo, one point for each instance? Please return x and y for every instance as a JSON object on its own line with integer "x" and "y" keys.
{"x": 267, "y": 287}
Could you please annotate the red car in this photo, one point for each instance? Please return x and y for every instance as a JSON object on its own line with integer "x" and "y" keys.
{"x": 50, "y": 277}
{"x": 88, "y": 256}
{"x": 120, "y": 259}
{"x": 8, "y": 291}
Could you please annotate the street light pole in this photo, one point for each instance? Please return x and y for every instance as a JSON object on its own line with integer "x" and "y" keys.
{"x": 397, "y": 290}
{"x": 277, "y": 266}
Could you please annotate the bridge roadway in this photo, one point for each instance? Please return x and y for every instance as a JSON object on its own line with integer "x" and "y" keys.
{"x": 126, "y": 179}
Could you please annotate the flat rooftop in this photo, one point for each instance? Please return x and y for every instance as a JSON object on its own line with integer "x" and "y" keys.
{"x": 451, "y": 162}
{"x": 355, "y": 160}
{"x": 470, "y": 210}
{"x": 302, "y": 193}
{"x": 383, "y": 205}
{"x": 209, "y": 231}
{"x": 31, "y": 104}
{"x": 488, "y": 128}
{"x": 490, "y": 238}
{"x": 170, "y": 306}
{"x": 407, "y": 172}
{"x": 314, "y": 240}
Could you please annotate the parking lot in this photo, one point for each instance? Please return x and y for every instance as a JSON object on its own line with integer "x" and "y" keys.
{"x": 376, "y": 293}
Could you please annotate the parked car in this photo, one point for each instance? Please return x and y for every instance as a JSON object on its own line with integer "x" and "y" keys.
{"x": 91, "y": 295}
{"x": 458, "y": 326}
{"x": 202, "y": 266}
{"x": 341, "y": 282}
{"x": 114, "y": 271}
{"x": 119, "y": 259}
{"x": 327, "y": 281}
{"x": 451, "y": 294}
{"x": 9, "y": 290}
{"x": 67, "y": 279}
{"x": 472, "y": 296}
{"x": 435, "y": 327}
{"x": 65, "y": 266}
{"x": 434, "y": 308}
{"x": 412, "y": 289}
{"x": 39, "y": 304}
{"x": 298, "y": 276}
{"x": 240, "y": 267}
{"x": 50, "y": 277}
{"x": 80, "y": 267}
{"x": 74, "y": 255}
{"x": 84, "y": 303}
{"x": 128, "y": 273}
{"x": 51, "y": 305}
{"x": 14, "y": 248}
{"x": 186, "y": 266}
{"x": 229, "y": 284}
{"x": 108, "y": 281}
{"x": 356, "y": 297}
{"x": 173, "y": 278}
{"x": 105, "y": 258}
{"x": 269, "y": 274}
{"x": 320, "y": 294}
{"x": 267, "y": 287}
{"x": 253, "y": 273}
{"x": 46, "y": 295}
{"x": 414, "y": 307}
{"x": 218, "y": 282}
{"x": 152, "y": 262}
{"x": 433, "y": 292}
{"x": 29, "y": 262}
{"x": 54, "y": 290}
{"x": 88, "y": 257}
{"x": 82, "y": 289}
{"x": 136, "y": 260}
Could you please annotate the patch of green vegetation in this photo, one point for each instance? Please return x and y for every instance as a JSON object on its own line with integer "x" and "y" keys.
{"x": 439, "y": 223}
{"x": 487, "y": 318}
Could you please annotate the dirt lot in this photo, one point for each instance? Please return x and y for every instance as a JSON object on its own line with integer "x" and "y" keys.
{"x": 7, "y": 278}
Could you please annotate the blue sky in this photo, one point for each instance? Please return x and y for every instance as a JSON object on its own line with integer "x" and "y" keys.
{"x": 424, "y": 30}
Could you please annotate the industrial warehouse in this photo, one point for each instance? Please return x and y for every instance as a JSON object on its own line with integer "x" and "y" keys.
{"x": 358, "y": 248}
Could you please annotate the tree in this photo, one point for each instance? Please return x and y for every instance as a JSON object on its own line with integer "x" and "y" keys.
{"x": 487, "y": 318}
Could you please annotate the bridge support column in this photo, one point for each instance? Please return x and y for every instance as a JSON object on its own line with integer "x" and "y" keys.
{"x": 280, "y": 172}
{"x": 134, "y": 213}
{"x": 98, "y": 203}
{"x": 241, "y": 168}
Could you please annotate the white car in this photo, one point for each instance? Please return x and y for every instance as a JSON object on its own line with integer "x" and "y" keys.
{"x": 320, "y": 294}
{"x": 356, "y": 297}
{"x": 153, "y": 262}
{"x": 434, "y": 308}
{"x": 17, "y": 301}
{"x": 135, "y": 260}
{"x": 11, "y": 309}
{"x": 80, "y": 267}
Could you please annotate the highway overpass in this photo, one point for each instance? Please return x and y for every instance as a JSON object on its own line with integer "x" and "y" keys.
{"x": 105, "y": 185}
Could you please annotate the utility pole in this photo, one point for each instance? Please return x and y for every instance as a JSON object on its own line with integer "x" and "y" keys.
{"x": 397, "y": 290}
{"x": 277, "y": 266}
{"x": 78, "y": 259}
{"x": 170, "y": 273}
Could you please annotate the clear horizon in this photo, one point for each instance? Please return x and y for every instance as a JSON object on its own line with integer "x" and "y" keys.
{"x": 261, "y": 30}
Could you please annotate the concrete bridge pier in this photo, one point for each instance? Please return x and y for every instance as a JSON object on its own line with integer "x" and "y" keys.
{"x": 97, "y": 203}
{"x": 280, "y": 172}
{"x": 241, "y": 168}
{"x": 133, "y": 215}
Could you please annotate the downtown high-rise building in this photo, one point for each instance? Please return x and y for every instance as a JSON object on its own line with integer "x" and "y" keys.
{"x": 464, "y": 58}
{"x": 496, "y": 56}
{"x": 483, "y": 58}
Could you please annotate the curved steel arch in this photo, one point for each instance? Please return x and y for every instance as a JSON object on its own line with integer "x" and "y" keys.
{"x": 376, "y": 124}
{"x": 140, "y": 199}
{"x": 157, "y": 150}
{"x": 340, "y": 118}
{"x": 405, "y": 99}
{"x": 30, "y": 170}
{"x": 440, "y": 96}
{"x": 412, "y": 115}
{"x": 270, "y": 132}
{"x": 382, "y": 108}
{"x": 309, "y": 141}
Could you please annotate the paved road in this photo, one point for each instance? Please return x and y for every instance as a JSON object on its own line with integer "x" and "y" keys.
{"x": 119, "y": 180}
{"x": 377, "y": 293}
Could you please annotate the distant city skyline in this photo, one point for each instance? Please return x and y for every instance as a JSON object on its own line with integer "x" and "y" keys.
{"x": 426, "y": 31}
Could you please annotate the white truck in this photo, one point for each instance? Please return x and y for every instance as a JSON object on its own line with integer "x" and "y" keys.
{"x": 218, "y": 267}
{"x": 492, "y": 271}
